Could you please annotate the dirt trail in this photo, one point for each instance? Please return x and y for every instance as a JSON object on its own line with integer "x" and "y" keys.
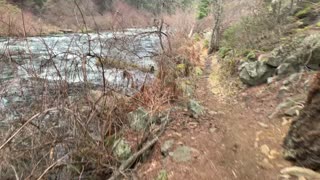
{"x": 233, "y": 140}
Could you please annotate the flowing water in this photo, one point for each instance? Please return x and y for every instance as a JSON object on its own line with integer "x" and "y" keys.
{"x": 63, "y": 58}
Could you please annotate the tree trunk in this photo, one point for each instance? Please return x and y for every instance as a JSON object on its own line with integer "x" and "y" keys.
{"x": 216, "y": 31}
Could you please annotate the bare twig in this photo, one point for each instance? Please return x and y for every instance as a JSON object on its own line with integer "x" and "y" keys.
{"x": 26, "y": 123}
{"x": 136, "y": 155}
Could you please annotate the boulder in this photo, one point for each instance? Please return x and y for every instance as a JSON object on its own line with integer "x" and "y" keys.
{"x": 139, "y": 119}
{"x": 273, "y": 61}
{"x": 182, "y": 154}
{"x": 302, "y": 143}
{"x": 121, "y": 149}
{"x": 195, "y": 108}
{"x": 311, "y": 46}
{"x": 287, "y": 59}
{"x": 166, "y": 146}
{"x": 287, "y": 69}
{"x": 255, "y": 73}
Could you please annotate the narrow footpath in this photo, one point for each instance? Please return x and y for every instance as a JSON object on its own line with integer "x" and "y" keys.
{"x": 233, "y": 140}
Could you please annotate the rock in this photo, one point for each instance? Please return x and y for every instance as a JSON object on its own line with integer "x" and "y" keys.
{"x": 121, "y": 149}
{"x": 195, "y": 108}
{"x": 291, "y": 79}
{"x": 255, "y": 73}
{"x": 265, "y": 149}
{"x": 182, "y": 154}
{"x": 311, "y": 45}
{"x": 213, "y": 130}
{"x": 273, "y": 154}
{"x": 286, "y": 69}
{"x": 265, "y": 164}
{"x": 263, "y": 125}
{"x": 288, "y": 59}
{"x": 273, "y": 61}
{"x": 288, "y": 104}
{"x": 300, "y": 171}
{"x": 139, "y": 119}
{"x": 271, "y": 79}
{"x": 166, "y": 146}
{"x": 163, "y": 175}
{"x": 212, "y": 113}
{"x": 302, "y": 143}
{"x": 293, "y": 111}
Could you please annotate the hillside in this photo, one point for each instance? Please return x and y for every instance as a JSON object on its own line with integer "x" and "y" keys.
{"x": 170, "y": 89}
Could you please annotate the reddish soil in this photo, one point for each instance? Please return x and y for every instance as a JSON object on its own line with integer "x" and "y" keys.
{"x": 227, "y": 139}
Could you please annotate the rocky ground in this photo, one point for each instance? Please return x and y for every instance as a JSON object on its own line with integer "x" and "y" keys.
{"x": 237, "y": 137}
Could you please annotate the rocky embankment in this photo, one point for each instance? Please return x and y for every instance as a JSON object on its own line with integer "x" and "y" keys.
{"x": 298, "y": 54}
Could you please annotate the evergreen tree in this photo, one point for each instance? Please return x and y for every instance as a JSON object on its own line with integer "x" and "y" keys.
{"x": 203, "y": 9}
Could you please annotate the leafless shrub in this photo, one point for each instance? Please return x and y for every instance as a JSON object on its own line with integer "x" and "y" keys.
{"x": 56, "y": 122}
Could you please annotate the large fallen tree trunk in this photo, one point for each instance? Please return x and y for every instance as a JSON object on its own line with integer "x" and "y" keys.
{"x": 302, "y": 143}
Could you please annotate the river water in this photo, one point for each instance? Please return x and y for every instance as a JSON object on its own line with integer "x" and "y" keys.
{"x": 62, "y": 58}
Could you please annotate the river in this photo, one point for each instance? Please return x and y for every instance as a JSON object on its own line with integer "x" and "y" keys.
{"x": 57, "y": 58}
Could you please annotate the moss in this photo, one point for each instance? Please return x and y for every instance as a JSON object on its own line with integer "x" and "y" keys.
{"x": 251, "y": 55}
{"x": 304, "y": 12}
{"x": 181, "y": 67}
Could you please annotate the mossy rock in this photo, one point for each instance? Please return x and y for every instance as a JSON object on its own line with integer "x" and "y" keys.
{"x": 195, "y": 108}
{"x": 139, "y": 119}
{"x": 122, "y": 149}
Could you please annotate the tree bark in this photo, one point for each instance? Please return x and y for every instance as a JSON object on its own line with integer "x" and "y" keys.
{"x": 216, "y": 30}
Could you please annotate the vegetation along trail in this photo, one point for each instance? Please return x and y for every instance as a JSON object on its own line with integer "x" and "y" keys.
{"x": 160, "y": 89}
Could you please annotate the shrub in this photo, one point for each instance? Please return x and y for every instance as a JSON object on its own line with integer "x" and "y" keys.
{"x": 259, "y": 31}
{"x": 251, "y": 55}
{"x": 203, "y": 9}
{"x": 223, "y": 51}
{"x": 304, "y": 12}
{"x": 206, "y": 44}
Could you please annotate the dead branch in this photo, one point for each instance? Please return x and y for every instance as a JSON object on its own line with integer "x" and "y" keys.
{"x": 25, "y": 124}
{"x": 125, "y": 165}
